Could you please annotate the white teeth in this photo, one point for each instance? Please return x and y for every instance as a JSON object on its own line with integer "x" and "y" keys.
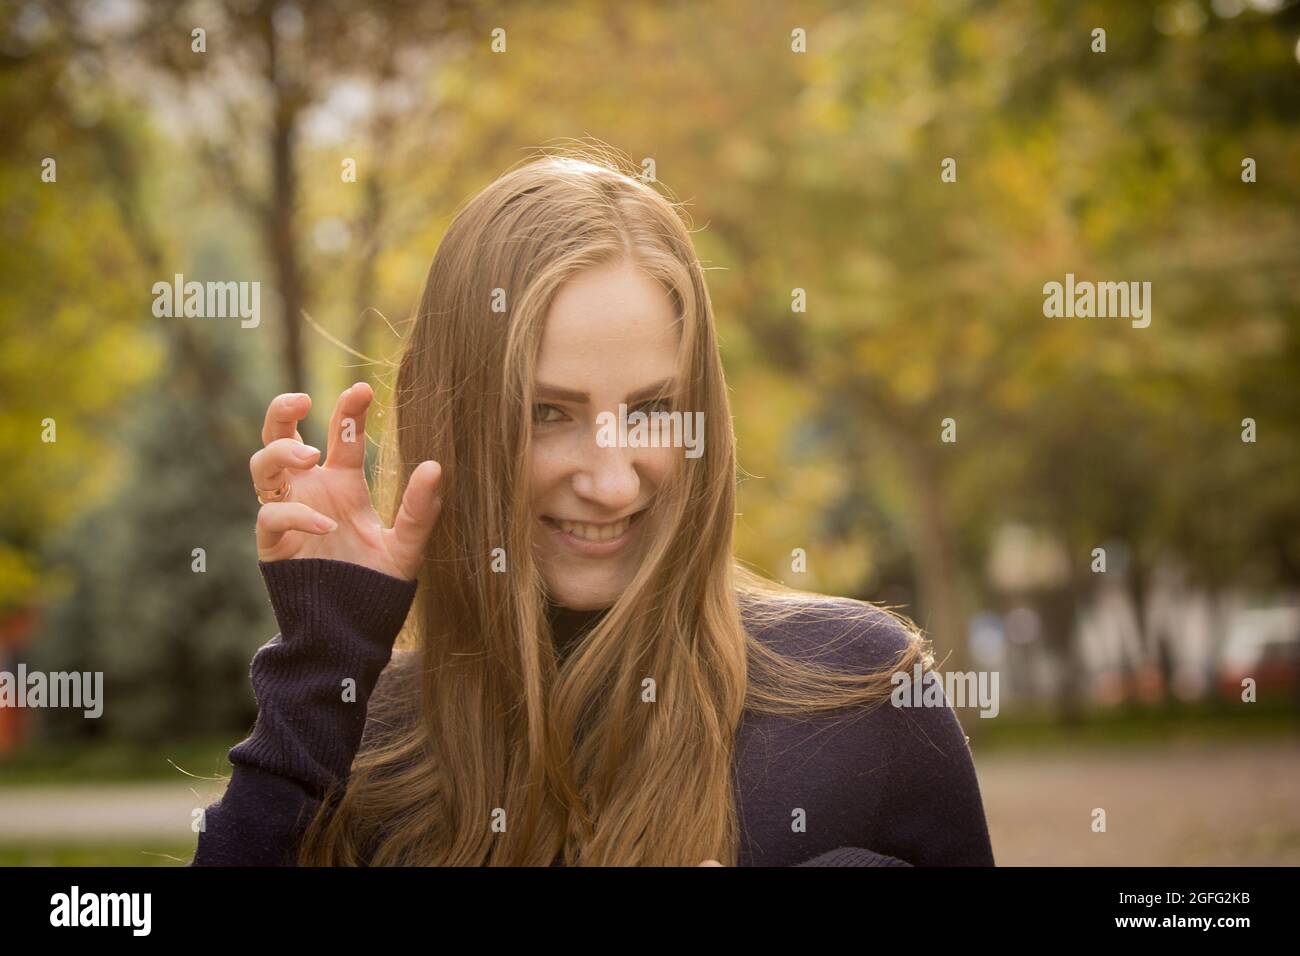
{"x": 591, "y": 532}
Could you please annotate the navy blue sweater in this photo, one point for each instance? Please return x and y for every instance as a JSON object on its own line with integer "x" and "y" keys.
{"x": 889, "y": 786}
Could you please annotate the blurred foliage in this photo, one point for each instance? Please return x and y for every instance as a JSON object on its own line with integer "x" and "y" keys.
{"x": 816, "y": 171}
{"x": 73, "y": 346}
{"x": 173, "y": 642}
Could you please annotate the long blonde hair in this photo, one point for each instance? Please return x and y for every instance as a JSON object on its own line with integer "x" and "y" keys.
{"x": 491, "y": 751}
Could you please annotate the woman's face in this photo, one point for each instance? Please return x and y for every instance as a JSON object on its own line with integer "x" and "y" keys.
{"x": 610, "y": 338}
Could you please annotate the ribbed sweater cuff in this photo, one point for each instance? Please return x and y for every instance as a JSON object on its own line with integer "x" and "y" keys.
{"x": 306, "y": 591}
{"x": 338, "y": 622}
{"x": 259, "y": 821}
{"x": 853, "y": 856}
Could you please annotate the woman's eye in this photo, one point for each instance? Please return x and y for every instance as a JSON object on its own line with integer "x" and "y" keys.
{"x": 542, "y": 414}
{"x": 545, "y": 414}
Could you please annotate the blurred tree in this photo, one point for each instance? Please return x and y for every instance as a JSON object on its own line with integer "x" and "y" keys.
{"x": 264, "y": 70}
{"x": 69, "y": 286}
{"x": 164, "y": 597}
{"x": 925, "y": 297}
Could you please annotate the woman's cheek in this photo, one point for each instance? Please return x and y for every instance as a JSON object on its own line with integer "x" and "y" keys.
{"x": 547, "y": 467}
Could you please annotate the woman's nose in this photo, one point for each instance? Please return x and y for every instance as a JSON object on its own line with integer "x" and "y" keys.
{"x": 608, "y": 477}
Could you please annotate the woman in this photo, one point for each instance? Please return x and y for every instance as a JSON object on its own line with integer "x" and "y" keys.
{"x": 588, "y": 677}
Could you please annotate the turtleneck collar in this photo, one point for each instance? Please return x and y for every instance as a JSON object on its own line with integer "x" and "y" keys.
{"x": 568, "y": 625}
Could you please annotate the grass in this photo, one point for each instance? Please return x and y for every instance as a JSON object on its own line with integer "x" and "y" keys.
{"x": 98, "y": 854}
{"x": 116, "y": 762}
{"x": 1136, "y": 726}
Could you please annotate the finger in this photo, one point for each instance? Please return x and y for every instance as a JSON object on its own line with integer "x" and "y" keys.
{"x": 710, "y": 863}
{"x": 283, "y": 415}
{"x": 278, "y": 518}
{"x": 268, "y": 465}
{"x": 347, "y": 437}
{"x": 420, "y": 506}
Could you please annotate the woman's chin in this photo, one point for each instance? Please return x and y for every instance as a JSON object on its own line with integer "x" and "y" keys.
{"x": 586, "y": 593}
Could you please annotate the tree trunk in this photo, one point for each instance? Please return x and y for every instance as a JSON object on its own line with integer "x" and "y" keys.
{"x": 935, "y": 566}
{"x": 281, "y": 224}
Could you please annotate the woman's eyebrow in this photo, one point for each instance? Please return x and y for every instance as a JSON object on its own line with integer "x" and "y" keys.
{"x": 555, "y": 393}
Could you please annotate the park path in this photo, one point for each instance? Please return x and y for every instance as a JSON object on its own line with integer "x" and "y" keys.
{"x": 1190, "y": 804}
{"x": 103, "y": 812}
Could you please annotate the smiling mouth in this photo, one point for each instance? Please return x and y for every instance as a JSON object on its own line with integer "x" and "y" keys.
{"x": 586, "y": 531}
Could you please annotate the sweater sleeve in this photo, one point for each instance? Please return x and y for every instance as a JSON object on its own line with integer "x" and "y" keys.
{"x": 932, "y": 800}
{"x": 312, "y": 681}
{"x": 933, "y": 795}
{"x": 903, "y": 775}
{"x": 853, "y": 856}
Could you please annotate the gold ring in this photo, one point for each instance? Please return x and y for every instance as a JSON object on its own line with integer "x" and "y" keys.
{"x": 267, "y": 497}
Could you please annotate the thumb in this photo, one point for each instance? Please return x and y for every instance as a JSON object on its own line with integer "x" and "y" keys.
{"x": 419, "y": 510}
{"x": 710, "y": 863}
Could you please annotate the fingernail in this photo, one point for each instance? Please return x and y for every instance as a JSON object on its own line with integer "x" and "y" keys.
{"x": 305, "y": 452}
{"x": 326, "y": 524}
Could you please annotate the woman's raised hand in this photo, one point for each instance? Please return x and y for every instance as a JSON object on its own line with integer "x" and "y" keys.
{"x": 325, "y": 511}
